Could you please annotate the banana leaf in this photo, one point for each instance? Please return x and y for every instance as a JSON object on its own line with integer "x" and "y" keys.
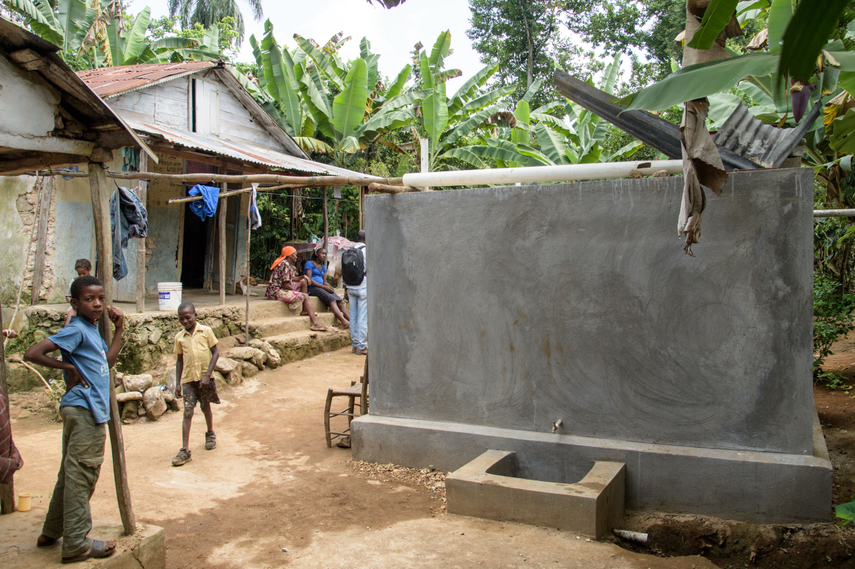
{"x": 716, "y": 17}
{"x": 398, "y": 85}
{"x": 349, "y": 106}
{"x": 780, "y": 15}
{"x": 440, "y": 50}
{"x": 551, "y": 143}
{"x": 135, "y": 40}
{"x": 467, "y": 126}
{"x": 701, "y": 80}
{"x": 322, "y": 61}
{"x": 465, "y": 155}
{"x": 471, "y": 87}
{"x": 435, "y": 113}
{"x": 486, "y": 99}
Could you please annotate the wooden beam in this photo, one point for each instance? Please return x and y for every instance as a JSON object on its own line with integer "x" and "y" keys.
{"x": 221, "y": 221}
{"x": 44, "y": 216}
{"x": 7, "y": 491}
{"x": 100, "y": 191}
{"x": 248, "y": 233}
{"x": 142, "y": 192}
{"x": 384, "y": 189}
{"x": 15, "y": 166}
{"x": 47, "y": 144}
{"x": 28, "y": 59}
{"x": 283, "y": 179}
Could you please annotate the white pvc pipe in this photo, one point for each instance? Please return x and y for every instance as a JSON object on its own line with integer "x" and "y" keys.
{"x": 507, "y": 176}
{"x": 834, "y": 212}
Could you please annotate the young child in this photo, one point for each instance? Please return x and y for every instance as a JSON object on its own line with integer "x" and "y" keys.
{"x": 85, "y": 408}
{"x": 196, "y": 347}
{"x": 83, "y": 268}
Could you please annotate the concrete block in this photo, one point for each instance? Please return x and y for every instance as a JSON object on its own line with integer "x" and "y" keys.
{"x": 488, "y": 487}
{"x": 146, "y": 549}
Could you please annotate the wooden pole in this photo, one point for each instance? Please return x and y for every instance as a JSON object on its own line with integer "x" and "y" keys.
{"x": 384, "y": 189}
{"x": 143, "y": 195}
{"x": 7, "y": 491}
{"x": 292, "y": 181}
{"x": 104, "y": 271}
{"x": 326, "y": 220}
{"x": 248, "y": 233}
{"x": 362, "y": 207}
{"x": 223, "y": 206}
{"x": 44, "y": 216}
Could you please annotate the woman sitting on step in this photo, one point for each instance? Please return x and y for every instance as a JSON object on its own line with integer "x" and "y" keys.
{"x": 316, "y": 270}
{"x": 286, "y": 286}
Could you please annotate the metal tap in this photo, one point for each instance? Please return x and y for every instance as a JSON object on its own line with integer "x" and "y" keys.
{"x": 557, "y": 424}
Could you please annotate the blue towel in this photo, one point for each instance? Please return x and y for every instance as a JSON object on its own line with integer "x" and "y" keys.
{"x": 207, "y": 206}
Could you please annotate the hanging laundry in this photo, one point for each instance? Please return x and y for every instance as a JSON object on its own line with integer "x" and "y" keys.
{"x": 207, "y": 206}
{"x": 254, "y": 214}
{"x": 128, "y": 218}
{"x": 130, "y": 158}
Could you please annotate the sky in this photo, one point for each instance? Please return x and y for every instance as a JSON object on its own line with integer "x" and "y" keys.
{"x": 392, "y": 33}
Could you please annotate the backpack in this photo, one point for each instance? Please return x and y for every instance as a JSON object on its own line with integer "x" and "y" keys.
{"x": 353, "y": 266}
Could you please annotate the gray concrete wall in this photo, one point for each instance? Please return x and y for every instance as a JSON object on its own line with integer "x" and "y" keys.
{"x": 515, "y": 307}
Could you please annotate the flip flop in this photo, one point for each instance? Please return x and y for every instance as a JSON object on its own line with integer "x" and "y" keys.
{"x": 98, "y": 550}
{"x": 45, "y": 541}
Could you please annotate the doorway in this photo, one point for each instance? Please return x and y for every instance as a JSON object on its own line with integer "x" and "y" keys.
{"x": 196, "y": 237}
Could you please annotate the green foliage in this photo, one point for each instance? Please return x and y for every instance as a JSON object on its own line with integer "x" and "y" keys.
{"x": 227, "y": 40}
{"x": 207, "y": 13}
{"x": 833, "y": 319}
{"x": 523, "y": 37}
{"x": 55, "y": 395}
{"x": 846, "y": 512}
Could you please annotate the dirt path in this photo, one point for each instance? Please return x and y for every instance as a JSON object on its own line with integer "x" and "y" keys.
{"x": 273, "y": 484}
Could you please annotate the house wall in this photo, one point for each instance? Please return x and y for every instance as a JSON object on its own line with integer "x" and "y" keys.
{"x": 168, "y": 104}
{"x": 165, "y": 226}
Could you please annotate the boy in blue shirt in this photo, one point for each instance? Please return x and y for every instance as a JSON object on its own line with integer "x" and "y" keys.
{"x": 85, "y": 409}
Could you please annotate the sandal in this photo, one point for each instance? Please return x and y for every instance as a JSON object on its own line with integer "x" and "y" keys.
{"x": 45, "y": 541}
{"x": 210, "y": 441}
{"x": 98, "y": 550}
{"x": 183, "y": 457}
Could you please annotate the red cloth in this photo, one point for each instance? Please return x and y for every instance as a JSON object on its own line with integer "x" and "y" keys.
{"x": 8, "y": 452}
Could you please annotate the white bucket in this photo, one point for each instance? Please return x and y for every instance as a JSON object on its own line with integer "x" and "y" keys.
{"x": 168, "y": 296}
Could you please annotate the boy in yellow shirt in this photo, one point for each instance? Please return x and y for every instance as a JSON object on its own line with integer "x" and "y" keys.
{"x": 196, "y": 347}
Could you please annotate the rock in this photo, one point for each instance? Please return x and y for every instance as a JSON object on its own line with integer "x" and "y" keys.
{"x": 260, "y": 345}
{"x": 236, "y": 376}
{"x": 155, "y": 336}
{"x": 128, "y": 396}
{"x": 273, "y": 359}
{"x": 176, "y": 404}
{"x": 154, "y": 403}
{"x": 170, "y": 379}
{"x": 168, "y": 397}
{"x": 248, "y": 369}
{"x": 225, "y": 365}
{"x": 635, "y": 174}
{"x": 129, "y": 411}
{"x": 254, "y": 355}
{"x": 661, "y": 174}
{"x": 141, "y": 411}
{"x": 220, "y": 381}
{"x": 138, "y": 382}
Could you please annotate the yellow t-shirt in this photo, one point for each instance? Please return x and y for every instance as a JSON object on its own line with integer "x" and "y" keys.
{"x": 196, "y": 349}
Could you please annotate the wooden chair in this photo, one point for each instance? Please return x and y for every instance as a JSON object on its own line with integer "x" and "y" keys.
{"x": 357, "y": 396}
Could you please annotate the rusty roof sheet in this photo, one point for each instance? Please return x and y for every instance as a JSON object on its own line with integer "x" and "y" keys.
{"x": 244, "y": 151}
{"x": 112, "y": 81}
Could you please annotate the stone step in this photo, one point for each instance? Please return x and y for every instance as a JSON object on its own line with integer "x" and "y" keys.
{"x": 278, "y": 326}
{"x": 303, "y": 344}
{"x": 264, "y": 309}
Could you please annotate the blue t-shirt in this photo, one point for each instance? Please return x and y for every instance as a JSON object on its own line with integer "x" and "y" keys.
{"x": 318, "y": 272}
{"x": 83, "y": 347}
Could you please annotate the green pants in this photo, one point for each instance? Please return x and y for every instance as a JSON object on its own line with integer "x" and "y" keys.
{"x": 68, "y": 515}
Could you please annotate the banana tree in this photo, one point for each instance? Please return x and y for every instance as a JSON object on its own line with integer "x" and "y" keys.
{"x": 319, "y": 95}
{"x": 134, "y": 48}
{"x": 447, "y": 121}
{"x": 540, "y": 138}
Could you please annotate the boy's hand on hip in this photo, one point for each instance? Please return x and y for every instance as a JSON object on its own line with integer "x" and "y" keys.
{"x": 117, "y": 317}
{"x": 73, "y": 379}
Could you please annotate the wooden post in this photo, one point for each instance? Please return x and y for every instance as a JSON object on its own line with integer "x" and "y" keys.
{"x": 223, "y": 206}
{"x": 100, "y": 191}
{"x": 44, "y": 216}
{"x": 326, "y": 220}
{"x": 248, "y": 233}
{"x": 362, "y": 207}
{"x": 143, "y": 195}
{"x": 7, "y": 491}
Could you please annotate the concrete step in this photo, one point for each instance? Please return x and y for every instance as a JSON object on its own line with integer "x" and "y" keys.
{"x": 277, "y": 326}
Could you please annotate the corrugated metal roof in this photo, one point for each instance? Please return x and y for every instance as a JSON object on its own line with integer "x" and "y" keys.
{"x": 243, "y": 151}
{"x": 766, "y": 145}
{"x": 112, "y": 81}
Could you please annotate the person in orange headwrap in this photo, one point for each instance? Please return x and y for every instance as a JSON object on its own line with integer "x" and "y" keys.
{"x": 287, "y": 286}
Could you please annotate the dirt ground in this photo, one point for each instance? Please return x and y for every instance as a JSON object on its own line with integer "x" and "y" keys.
{"x": 272, "y": 495}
